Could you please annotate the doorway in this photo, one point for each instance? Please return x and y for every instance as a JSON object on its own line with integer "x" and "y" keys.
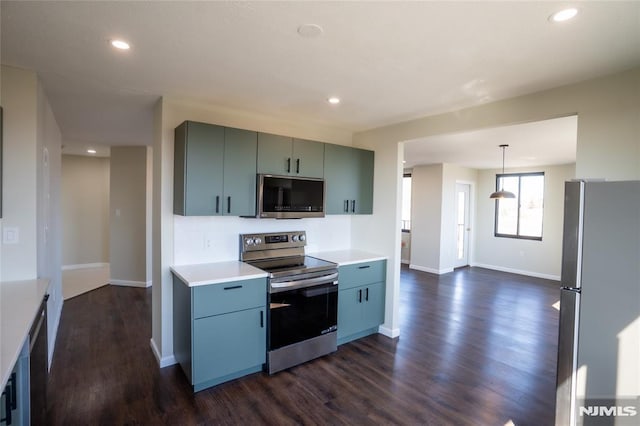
{"x": 463, "y": 225}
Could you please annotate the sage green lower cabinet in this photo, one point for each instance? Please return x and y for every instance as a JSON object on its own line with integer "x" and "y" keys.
{"x": 360, "y": 299}
{"x": 219, "y": 330}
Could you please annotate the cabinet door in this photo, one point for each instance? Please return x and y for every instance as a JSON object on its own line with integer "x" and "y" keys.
{"x": 340, "y": 178}
{"x": 240, "y": 151}
{"x": 307, "y": 158}
{"x": 373, "y": 306}
{"x": 228, "y": 343}
{"x": 199, "y": 168}
{"x": 274, "y": 154}
{"x": 349, "y": 312}
{"x": 364, "y": 163}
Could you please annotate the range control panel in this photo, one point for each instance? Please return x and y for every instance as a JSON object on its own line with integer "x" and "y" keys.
{"x": 272, "y": 241}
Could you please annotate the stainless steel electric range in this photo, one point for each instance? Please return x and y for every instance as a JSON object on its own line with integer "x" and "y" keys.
{"x": 302, "y": 319}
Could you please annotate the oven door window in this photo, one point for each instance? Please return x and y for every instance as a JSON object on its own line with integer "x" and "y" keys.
{"x": 302, "y": 314}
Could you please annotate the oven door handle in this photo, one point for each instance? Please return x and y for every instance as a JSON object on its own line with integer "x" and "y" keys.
{"x": 307, "y": 282}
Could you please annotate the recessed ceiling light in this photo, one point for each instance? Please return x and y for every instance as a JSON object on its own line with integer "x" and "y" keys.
{"x": 91, "y": 151}
{"x": 120, "y": 44}
{"x": 310, "y": 30}
{"x": 564, "y": 15}
{"x": 333, "y": 100}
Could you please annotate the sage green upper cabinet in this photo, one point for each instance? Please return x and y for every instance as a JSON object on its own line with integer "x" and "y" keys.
{"x": 214, "y": 170}
{"x": 240, "y": 150}
{"x": 198, "y": 169}
{"x": 282, "y": 155}
{"x": 308, "y": 158}
{"x": 349, "y": 180}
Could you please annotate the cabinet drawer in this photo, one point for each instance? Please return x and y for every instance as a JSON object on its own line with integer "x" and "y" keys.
{"x": 362, "y": 273}
{"x": 233, "y": 296}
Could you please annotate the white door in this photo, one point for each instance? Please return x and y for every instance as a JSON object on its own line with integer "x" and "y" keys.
{"x": 463, "y": 226}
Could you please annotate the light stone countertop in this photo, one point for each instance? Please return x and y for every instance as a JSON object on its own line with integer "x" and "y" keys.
{"x": 19, "y": 303}
{"x": 214, "y": 273}
{"x": 347, "y": 257}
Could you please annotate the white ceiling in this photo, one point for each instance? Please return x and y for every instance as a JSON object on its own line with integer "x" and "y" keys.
{"x": 540, "y": 143}
{"x": 388, "y": 61}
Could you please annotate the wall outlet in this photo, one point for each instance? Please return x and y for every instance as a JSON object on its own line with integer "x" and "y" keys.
{"x": 207, "y": 242}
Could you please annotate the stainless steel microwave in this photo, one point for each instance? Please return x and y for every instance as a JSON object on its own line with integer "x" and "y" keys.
{"x": 290, "y": 197}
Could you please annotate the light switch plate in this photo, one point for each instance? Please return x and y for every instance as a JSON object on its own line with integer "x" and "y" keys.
{"x": 10, "y": 235}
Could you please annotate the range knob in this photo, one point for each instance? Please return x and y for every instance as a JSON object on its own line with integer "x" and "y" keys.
{"x": 294, "y": 238}
{"x": 249, "y": 241}
{"x": 257, "y": 241}
{"x": 302, "y": 237}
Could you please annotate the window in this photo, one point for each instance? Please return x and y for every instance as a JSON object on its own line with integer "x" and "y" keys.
{"x": 520, "y": 217}
{"x": 406, "y": 203}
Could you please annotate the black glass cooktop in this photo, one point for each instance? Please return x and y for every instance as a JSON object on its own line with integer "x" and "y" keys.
{"x": 292, "y": 265}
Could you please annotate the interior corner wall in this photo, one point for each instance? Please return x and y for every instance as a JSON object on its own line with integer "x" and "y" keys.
{"x": 49, "y": 215}
{"x": 426, "y": 217}
{"x": 85, "y": 210}
{"x": 31, "y": 187}
{"x": 528, "y": 257}
{"x": 20, "y": 162}
{"x": 128, "y": 215}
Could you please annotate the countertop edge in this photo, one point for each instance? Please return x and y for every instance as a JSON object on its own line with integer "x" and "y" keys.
{"x": 249, "y": 273}
{"x": 15, "y": 354}
{"x": 348, "y": 257}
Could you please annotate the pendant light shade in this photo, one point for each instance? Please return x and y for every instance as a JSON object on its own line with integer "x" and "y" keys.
{"x": 502, "y": 193}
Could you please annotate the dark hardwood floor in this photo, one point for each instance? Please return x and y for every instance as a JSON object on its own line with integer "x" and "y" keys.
{"x": 477, "y": 347}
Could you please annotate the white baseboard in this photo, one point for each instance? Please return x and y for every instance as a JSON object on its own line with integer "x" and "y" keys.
{"x": 518, "y": 271}
{"x": 84, "y": 266}
{"x": 430, "y": 270}
{"x": 162, "y": 362}
{"x": 125, "y": 283}
{"x": 405, "y": 262}
{"x": 389, "y": 332}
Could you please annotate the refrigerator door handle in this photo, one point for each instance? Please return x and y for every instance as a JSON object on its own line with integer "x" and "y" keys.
{"x": 567, "y": 357}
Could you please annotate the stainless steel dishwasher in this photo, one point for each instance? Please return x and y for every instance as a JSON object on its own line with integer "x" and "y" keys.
{"x": 39, "y": 365}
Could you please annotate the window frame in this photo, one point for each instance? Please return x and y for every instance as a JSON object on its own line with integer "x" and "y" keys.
{"x": 517, "y": 236}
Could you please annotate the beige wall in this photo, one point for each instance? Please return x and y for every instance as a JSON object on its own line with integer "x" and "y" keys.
{"x": 85, "y": 210}
{"x": 608, "y": 147}
{"x": 31, "y": 187}
{"x": 529, "y": 257}
{"x": 19, "y": 205}
{"x": 426, "y": 217}
{"x": 433, "y": 215}
{"x": 128, "y": 215}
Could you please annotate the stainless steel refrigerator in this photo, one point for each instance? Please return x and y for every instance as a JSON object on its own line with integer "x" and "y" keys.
{"x": 598, "y": 380}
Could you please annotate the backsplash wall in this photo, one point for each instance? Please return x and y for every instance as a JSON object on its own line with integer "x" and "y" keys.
{"x": 203, "y": 239}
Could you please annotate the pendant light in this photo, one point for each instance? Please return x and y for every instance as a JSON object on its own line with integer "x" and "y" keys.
{"x": 502, "y": 193}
